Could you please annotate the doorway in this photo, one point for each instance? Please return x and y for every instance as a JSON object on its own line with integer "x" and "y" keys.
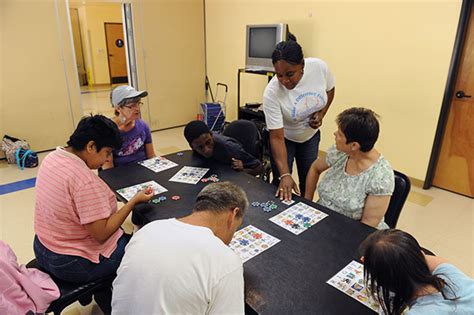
{"x": 116, "y": 52}
{"x": 100, "y": 46}
{"x": 452, "y": 160}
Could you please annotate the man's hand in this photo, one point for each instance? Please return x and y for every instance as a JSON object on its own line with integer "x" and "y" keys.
{"x": 237, "y": 165}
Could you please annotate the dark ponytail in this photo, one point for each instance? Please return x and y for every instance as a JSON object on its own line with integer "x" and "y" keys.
{"x": 291, "y": 36}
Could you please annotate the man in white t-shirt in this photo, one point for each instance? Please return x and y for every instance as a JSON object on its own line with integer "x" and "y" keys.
{"x": 184, "y": 266}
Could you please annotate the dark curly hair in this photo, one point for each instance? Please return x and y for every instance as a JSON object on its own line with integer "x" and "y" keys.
{"x": 98, "y": 128}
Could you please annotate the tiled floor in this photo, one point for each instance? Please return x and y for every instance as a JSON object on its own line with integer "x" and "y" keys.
{"x": 440, "y": 220}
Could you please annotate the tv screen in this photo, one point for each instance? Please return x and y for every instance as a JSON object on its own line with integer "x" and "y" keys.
{"x": 262, "y": 42}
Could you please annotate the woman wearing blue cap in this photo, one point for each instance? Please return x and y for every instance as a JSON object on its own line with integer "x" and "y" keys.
{"x": 136, "y": 135}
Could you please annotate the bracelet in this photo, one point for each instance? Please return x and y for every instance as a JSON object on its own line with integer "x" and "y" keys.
{"x": 286, "y": 174}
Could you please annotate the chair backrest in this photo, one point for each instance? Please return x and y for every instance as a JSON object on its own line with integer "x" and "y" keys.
{"x": 399, "y": 196}
{"x": 247, "y": 134}
{"x": 72, "y": 292}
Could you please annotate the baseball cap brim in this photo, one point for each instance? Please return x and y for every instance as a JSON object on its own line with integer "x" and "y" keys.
{"x": 124, "y": 92}
{"x": 137, "y": 94}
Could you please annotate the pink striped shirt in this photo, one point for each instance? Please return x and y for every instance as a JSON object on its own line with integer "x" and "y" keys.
{"x": 68, "y": 196}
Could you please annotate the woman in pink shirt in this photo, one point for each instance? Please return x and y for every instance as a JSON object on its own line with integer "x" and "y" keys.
{"x": 77, "y": 223}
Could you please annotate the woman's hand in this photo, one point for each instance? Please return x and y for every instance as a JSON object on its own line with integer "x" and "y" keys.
{"x": 142, "y": 196}
{"x": 316, "y": 120}
{"x": 287, "y": 185}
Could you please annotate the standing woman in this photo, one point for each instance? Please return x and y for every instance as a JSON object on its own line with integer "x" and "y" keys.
{"x": 137, "y": 143}
{"x": 295, "y": 103}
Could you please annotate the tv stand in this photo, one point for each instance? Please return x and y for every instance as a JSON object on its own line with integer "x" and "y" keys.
{"x": 245, "y": 112}
{"x": 257, "y": 70}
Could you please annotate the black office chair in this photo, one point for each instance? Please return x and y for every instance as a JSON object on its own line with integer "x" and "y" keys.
{"x": 72, "y": 292}
{"x": 247, "y": 133}
{"x": 399, "y": 196}
{"x": 266, "y": 154}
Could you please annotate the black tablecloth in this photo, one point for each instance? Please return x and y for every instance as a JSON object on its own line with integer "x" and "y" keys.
{"x": 288, "y": 278}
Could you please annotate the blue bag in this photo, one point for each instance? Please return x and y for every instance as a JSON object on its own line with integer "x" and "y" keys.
{"x": 26, "y": 158}
{"x": 213, "y": 116}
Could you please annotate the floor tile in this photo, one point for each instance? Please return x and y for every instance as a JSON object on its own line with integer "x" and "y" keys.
{"x": 419, "y": 198}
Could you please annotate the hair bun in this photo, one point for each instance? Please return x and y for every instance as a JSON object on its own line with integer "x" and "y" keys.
{"x": 292, "y": 37}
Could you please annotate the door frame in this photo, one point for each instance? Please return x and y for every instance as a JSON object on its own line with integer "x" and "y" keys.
{"x": 83, "y": 56}
{"x": 108, "y": 56}
{"x": 466, "y": 8}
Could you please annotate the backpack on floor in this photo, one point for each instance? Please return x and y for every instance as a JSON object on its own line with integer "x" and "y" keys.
{"x": 26, "y": 158}
{"x": 10, "y": 145}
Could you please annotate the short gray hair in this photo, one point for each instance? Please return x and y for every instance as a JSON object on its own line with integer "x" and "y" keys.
{"x": 223, "y": 196}
{"x": 131, "y": 100}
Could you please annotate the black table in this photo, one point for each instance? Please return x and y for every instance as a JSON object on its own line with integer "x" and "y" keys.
{"x": 288, "y": 278}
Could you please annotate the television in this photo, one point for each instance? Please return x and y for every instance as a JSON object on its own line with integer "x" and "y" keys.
{"x": 260, "y": 43}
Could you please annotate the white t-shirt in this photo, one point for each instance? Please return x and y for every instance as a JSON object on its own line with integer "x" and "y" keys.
{"x": 171, "y": 267}
{"x": 291, "y": 109}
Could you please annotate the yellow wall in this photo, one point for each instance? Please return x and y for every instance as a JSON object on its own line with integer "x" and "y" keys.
{"x": 2, "y": 77}
{"x": 391, "y": 56}
{"x": 170, "y": 55}
{"x": 39, "y": 90}
{"x": 92, "y": 19}
{"x": 37, "y": 68}
{"x": 86, "y": 44}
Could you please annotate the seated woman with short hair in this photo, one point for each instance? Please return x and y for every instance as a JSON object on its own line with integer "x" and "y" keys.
{"x": 77, "y": 222}
{"x": 137, "y": 143}
{"x": 359, "y": 181}
{"x": 402, "y": 278}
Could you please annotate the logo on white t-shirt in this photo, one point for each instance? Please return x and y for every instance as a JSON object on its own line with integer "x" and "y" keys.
{"x": 306, "y": 104}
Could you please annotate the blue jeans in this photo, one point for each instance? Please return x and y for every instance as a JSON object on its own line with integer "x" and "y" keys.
{"x": 304, "y": 153}
{"x": 78, "y": 269}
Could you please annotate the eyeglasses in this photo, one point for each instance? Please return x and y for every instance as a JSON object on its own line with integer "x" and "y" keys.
{"x": 134, "y": 105}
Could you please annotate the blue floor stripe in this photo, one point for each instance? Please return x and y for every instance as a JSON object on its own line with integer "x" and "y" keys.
{"x": 16, "y": 186}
